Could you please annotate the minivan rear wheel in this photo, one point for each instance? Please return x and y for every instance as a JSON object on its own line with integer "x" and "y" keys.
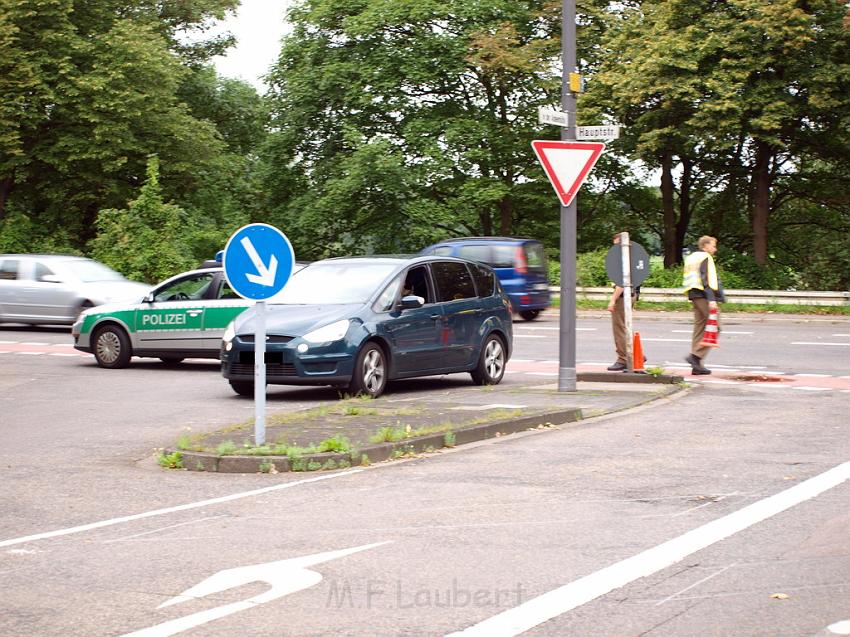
{"x": 529, "y": 315}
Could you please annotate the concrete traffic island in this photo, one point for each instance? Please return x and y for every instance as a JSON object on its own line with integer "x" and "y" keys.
{"x": 359, "y": 432}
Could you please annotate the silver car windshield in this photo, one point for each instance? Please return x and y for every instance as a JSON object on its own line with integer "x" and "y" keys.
{"x": 90, "y": 271}
{"x": 334, "y": 283}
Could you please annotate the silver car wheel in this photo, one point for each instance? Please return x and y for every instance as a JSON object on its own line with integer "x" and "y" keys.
{"x": 494, "y": 359}
{"x": 373, "y": 371}
{"x": 108, "y": 347}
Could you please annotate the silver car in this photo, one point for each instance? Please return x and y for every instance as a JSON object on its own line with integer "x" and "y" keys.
{"x": 54, "y": 289}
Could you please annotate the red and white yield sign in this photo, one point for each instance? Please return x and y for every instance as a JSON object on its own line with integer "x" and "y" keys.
{"x": 567, "y": 164}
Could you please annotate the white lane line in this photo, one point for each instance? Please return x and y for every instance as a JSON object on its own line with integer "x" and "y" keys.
{"x": 695, "y": 584}
{"x": 182, "y": 507}
{"x": 843, "y": 335}
{"x": 164, "y": 528}
{"x": 530, "y": 336}
{"x": 36, "y": 344}
{"x": 722, "y": 331}
{"x": 491, "y": 406}
{"x": 840, "y": 628}
{"x": 819, "y": 343}
{"x": 64, "y": 354}
{"x": 535, "y": 611}
{"x": 812, "y": 388}
{"x": 541, "y": 373}
{"x": 813, "y": 375}
{"x": 31, "y": 353}
{"x": 8, "y": 342}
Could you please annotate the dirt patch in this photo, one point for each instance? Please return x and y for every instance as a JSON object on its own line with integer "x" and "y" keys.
{"x": 761, "y": 378}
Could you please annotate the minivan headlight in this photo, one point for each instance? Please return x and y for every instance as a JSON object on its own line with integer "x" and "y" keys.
{"x": 328, "y": 333}
{"x": 228, "y": 336}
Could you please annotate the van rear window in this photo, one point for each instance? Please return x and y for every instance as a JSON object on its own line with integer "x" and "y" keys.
{"x": 475, "y": 253}
{"x": 503, "y": 256}
{"x": 535, "y": 256}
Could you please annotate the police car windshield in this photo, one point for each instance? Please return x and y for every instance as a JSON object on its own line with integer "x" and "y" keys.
{"x": 332, "y": 282}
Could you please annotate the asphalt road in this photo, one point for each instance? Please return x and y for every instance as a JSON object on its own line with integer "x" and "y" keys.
{"x": 725, "y": 511}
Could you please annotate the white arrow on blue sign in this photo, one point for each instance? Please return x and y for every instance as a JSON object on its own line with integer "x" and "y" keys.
{"x": 258, "y": 261}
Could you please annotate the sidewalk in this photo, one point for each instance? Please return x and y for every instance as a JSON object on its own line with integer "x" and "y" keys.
{"x": 359, "y": 432}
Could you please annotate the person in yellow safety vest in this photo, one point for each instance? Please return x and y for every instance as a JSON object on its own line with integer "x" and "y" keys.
{"x": 705, "y": 291}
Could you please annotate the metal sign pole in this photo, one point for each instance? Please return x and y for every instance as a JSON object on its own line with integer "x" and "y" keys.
{"x": 625, "y": 251}
{"x": 260, "y": 375}
{"x": 567, "y": 347}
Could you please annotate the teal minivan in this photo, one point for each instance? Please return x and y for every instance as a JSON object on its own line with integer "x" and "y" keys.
{"x": 520, "y": 264}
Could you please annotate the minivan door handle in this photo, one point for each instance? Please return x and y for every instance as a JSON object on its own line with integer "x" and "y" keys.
{"x": 436, "y": 317}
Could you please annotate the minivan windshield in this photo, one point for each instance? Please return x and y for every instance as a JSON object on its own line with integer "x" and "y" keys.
{"x": 334, "y": 282}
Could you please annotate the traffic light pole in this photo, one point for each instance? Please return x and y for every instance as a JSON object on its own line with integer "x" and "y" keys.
{"x": 567, "y": 348}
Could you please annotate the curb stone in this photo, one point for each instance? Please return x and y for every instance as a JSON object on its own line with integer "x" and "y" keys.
{"x": 209, "y": 462}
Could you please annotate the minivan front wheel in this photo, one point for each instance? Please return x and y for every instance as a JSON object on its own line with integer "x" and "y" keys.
{"x": 370, "y": 372}
{"x": 529, "y": 315}
{"x": 491, "y": 363}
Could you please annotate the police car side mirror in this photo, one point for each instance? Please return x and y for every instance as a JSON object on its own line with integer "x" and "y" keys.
{"x": 148, "y": 298}
{"x": 411, "y": 302}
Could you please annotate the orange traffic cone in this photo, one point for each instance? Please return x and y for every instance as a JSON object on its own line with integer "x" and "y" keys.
{"x": 709, "y": 338}
{"x": 637, "y": 354}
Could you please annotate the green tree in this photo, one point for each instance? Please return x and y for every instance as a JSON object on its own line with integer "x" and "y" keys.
{"x": 89, "y": 91}
{"x": 146, "y": 240}
{"x": 408, "y": 120}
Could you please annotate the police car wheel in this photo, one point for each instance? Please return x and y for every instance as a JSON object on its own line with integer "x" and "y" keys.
{"x": 491, "y": 362}
{"x": 529, "y": 315}
{"x": 243, "y": 388}
{"x": 111, "y": 347}
{"x": 370, "y": 372}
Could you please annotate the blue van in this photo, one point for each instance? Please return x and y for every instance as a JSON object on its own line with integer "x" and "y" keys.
{"x": 520, "y": 264}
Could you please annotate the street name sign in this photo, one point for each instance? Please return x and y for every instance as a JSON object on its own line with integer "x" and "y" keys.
{"x": 567, "y": 164}
{"x": 597, "y": 132}
{"x": 549, "y": 115}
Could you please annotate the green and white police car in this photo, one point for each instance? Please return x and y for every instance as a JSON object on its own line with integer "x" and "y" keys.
{"x": 183, "y": 317}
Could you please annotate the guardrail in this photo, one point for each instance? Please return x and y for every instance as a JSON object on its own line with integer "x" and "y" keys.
{"x": 758, "y": 297}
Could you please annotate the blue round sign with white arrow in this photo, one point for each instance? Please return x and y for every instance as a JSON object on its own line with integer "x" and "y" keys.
{"x": 258, "y": 261}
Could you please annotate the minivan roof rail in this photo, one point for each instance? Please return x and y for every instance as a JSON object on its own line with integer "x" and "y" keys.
{"x": 487, "y": 239}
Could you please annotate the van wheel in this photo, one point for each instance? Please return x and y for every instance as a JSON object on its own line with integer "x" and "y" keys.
{"x": 111, "y": 347}
{"x": 491, "y": 363}
{"x": 243, "y": 388}
{"x": 370, "y": 372}
{"x": 529, "y": 315}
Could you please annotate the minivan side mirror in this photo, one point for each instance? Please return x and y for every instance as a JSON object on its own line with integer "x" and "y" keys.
{"x": 411, "y": 302}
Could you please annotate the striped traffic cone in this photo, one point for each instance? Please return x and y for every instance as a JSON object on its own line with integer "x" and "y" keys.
{"x": 709, "y": 338}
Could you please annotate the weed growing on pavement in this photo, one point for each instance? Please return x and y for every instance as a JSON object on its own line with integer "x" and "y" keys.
{"x": 449, "y": 439}
{"x": 266, "y": 466}
{"x": 173, "y": 460}
{"x": 338, "y": 444}
{"x": 655, "y": 371}
{"x": 228, "y": 447}
{"x": 364, "y": 461}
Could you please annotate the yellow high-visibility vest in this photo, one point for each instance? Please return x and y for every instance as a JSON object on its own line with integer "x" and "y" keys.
{"x": 691, "y": 279}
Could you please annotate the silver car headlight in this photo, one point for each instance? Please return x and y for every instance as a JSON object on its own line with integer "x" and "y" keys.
{"x": 328, "y": 333}
{"x": 228, "y": 336}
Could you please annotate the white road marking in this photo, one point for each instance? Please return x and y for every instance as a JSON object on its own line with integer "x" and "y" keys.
{"x": 558, "y": 601}
{"x": 529, "y": 336}
{"x": 31, "y": 353}
{"x": 63, "y": 345}
{"x": 813, "y": 375}
{"x": 542, "y": 373}
{"x": 163, "y": 528}
{"x": 848, "y": 335}
{"x": 840, "y": 628}
{"x": 522, "y": 360}
{"x": 819, "y": 343}
{"x": 491, "y": 406}
{"x": 65, "y": 354}
{"x": 182, "y": 507}
{"x": 695, "y": 584}
{"x": 812, "y": 388}
{"x": 35, "y": 344}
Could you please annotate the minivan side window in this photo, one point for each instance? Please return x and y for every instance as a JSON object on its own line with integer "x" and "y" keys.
{"x": 453, "y": 281}
{"x": 484, "y": 280}
{"x": 9, "y": 270}
{"x": 475, "y": 253}
{"x": 503, "y": 256}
